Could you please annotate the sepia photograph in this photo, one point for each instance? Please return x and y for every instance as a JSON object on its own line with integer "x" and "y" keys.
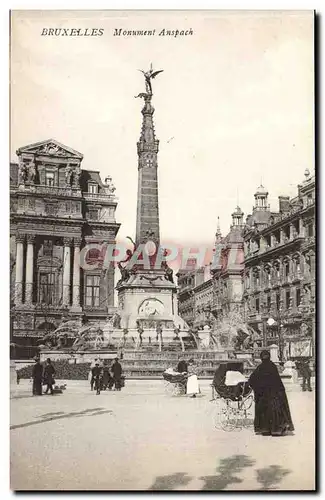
{"x": 162, "y": 250}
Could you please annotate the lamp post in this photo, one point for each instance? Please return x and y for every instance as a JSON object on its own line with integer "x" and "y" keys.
{"x": 271, "y": 321}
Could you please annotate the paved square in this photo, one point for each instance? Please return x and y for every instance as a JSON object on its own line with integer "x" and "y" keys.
{"x": 144, "y": 439}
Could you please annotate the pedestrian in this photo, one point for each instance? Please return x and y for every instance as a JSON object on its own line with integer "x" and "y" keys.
{"x": 96, "y": 377}
{"x": 117, "y": 374}
{"x": 48, "y": 376}
{"x": 107, "y": 378}
{"x": 37, "y": 375}
{"x": 192, "y": 386}
{"x": 272, "y": 412}
{"x": 92, "y": 380}
{"x": 17, "y": 376}
{"x": 182, "y": 365}
{"x": 306, "y": 375}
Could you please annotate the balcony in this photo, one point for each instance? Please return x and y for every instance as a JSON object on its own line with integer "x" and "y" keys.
{"x": 101, "y": 197}
{"x": 51, "y": 190}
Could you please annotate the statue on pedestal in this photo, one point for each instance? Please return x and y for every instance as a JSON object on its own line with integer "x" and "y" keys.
{"x": 68, "y": 175}
{"x": 31, "y": 172}
{"x": 109, "y": 186}
{"x": 76, "y": 178}
{"x": 22, "y": 173}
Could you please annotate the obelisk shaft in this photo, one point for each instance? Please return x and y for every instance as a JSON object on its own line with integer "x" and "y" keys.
{"x": 147, "y": 228}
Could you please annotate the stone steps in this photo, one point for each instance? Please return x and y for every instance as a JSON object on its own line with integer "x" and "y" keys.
{"x": 143, "y": 364}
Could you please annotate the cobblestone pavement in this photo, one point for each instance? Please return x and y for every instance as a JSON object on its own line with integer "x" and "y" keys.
{"x": 142, "y": 438}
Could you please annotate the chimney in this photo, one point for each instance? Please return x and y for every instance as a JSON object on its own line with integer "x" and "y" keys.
{"x": 284, "y": 204}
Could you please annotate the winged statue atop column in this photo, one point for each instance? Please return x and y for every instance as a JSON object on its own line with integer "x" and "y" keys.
{"x": 148, "y": 76}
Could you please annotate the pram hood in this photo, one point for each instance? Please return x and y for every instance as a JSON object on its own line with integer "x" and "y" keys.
{"x": 235, "y": 390}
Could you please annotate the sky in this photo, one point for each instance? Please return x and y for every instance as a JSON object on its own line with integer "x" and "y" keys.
{"x": 234, "y": 106}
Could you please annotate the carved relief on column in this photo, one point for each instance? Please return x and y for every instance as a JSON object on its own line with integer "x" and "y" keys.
{"x": 76, "y": 274}
{"x": 66, "y": 270}
{"x": 29, "y": 268}
{"x": 20, "y": 239}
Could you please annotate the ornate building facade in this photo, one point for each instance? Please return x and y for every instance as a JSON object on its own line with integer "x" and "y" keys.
{"x": 263, "y": 276}
{"x": 213, "y": 295}
{"x": 279, "y": 275}
{"x": 56, "y": 209}
{"x": 195, "y": 294}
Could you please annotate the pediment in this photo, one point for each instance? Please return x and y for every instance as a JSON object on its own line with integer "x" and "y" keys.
{"x": 53, "y": 262}
{"x": 51, "y": 148}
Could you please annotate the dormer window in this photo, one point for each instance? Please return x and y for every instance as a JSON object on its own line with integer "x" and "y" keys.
{"x": 93, "y": 188}
{"x": 49, "y": 178}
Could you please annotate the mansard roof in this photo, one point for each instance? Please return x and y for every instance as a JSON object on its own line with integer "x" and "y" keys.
{"x": 90, "y": 175}
{"x": 50, "y": 147}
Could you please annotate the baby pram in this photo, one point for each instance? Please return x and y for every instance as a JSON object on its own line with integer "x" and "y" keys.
{"x": 234, "y": 396}
{"x": 175, "y": 382}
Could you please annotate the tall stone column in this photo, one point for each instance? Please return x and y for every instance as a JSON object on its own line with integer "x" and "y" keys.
{"x": 29, "y": 269}
{"x": 66, "y": 271}
{"x": 76, "y": 275}
{"x": 301, "y": 228}
{"x": 20, "y": 239}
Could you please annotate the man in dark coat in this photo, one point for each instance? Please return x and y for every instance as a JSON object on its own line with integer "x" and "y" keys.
{"x": 272, "y": 413}
{"x": 37, "y": 375}
{"x": 117, "y": 374}
{"x": 48, "y": 375}
{"x": 96, "y": 377}
{"x": 182, "y": 366}
{"x": 306, "y": 375}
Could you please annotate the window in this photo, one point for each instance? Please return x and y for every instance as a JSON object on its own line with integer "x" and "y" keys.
{"x": 278, "y": 301}
{"x": 46, "y": 288}
{"x": 47, "y": 248}
{"x": 298, "y": 297}
{"x": 93, "y": 214}
{"x": 268, "y": 302}
{"x": 92, "y": 291}
{"x": 257, "y": 305}
{"x": 286, "y": 268}
{"x": 49, "y": 178}
{"x": 310, "y": 230}
{"x": 93, "y": 188}
{"x": 287, "y": 299}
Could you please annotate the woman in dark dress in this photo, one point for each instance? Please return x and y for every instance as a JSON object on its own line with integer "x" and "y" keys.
{"x": 272, "y": 413}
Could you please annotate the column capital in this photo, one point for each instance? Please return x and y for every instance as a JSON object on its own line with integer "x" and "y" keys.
{"x": 77, "y": 242}
{"x": 30, "y": 238}
{"x": 67, "y": 241}
{"x": 20, "y": 238}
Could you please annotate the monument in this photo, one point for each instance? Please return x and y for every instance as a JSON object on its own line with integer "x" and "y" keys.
{"x": 147, "y": 294}
{"x": 146, "y": 329}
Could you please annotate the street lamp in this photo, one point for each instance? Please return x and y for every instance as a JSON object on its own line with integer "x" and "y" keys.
{"x": 271, "y": 321}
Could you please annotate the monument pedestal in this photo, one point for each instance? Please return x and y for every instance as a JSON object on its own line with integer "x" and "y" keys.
{"x": 147, "y": 301}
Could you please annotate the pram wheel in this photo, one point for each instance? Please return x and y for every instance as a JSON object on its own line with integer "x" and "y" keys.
{"x": 229, "y": 417}
{"x": 175, "y": 389}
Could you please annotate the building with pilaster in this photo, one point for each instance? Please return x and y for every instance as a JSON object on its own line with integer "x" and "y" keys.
{"x": 279, "y": 276}
{"x": 56, "y": 209}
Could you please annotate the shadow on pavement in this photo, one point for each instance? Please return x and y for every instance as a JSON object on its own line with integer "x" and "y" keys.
{"x": 227, "y": 471}
{"x": 271, "y": 476}
{"x": 48, "y": 417}
{"x": 171, "y": 481}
